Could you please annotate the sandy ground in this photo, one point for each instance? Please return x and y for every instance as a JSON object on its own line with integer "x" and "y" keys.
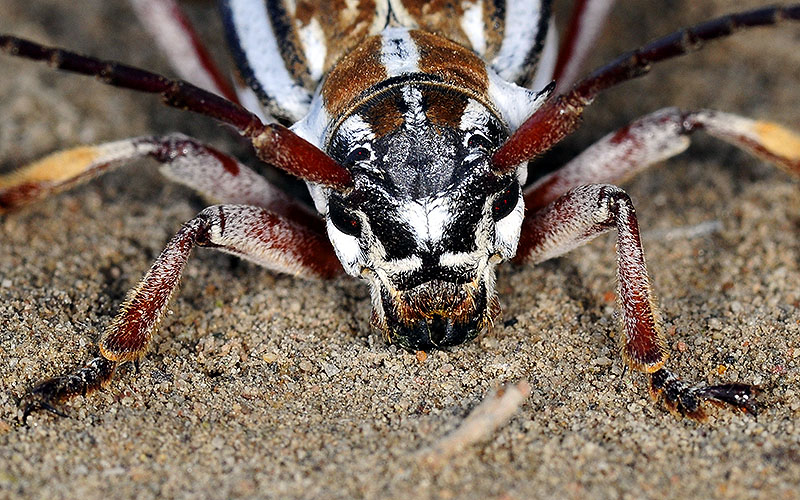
{"x": 262, "y": 385}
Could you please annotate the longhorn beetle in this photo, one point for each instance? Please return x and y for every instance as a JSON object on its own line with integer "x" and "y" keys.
{"x": 412, "y": 125}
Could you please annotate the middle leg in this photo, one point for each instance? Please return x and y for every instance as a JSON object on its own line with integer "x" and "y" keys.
{"x": 213, "y": 174}
{"x": 658, "y": 136}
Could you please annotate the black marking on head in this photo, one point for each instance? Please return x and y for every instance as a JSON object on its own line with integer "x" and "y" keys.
{"x": 378, "y": 207}
{"x": 443, "y": 159}
{"x": 428, "y": 203}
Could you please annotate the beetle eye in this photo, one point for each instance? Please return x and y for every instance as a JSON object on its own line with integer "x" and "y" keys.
{"x": 357, "y": 155}
{"x": 506, "y": 201}
{"x": 479, "y": 141}
{"x": 344, "y": 221}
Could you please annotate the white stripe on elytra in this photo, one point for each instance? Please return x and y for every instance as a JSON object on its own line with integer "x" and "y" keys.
{"x": 399, "y": 54}
{"x": 313, "y": 40}
{"x": 521, "y": 23}
{"x": 257, "y": 40}
{"x": 474, "y": 27}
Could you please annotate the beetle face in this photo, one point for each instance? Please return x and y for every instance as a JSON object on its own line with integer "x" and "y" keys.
{"x": 427, "y": 221}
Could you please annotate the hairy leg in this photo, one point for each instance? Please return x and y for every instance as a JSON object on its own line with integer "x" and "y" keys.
{"x": 582, "y": 214}
{"x": 252, "y": 233}
{"x": 215, "y": 175}
{"x": 586, "y": 23}
{"x": 274, "y": 144}
{"x": 560, "y": 116}
{"x": 178, "y": 40}
{"x": 658, "y": 136}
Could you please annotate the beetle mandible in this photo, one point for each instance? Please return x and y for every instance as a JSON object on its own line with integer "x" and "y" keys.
{"x": 412, "y": 124}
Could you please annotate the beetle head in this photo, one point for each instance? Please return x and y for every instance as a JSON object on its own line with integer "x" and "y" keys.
{"x": 426, "y": 221}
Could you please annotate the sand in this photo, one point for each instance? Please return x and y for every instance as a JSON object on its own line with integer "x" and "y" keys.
{"x": 266, "y": 386}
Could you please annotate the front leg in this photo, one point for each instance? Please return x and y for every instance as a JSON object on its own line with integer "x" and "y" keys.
{"x": 579, "y": 216}
{"x": 252, "y": 233}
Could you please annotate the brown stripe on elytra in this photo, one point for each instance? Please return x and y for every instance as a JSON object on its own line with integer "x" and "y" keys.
{"x": 356, "y": 72}
{"x": 453, "y": 63}
{"x": 439, "y": 16}
{"x": 343, "y": 24}
{"x": 444, "y": 17}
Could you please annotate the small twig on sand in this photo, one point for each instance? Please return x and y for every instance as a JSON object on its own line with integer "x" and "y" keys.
{"x": 684, "y": 232}
{"x": 493, "y": 412}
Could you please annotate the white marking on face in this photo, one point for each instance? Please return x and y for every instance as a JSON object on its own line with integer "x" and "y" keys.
{"x": 426, "y": 219}
{"x": 399, "y": 54}
{"x": 313, "y": 40}
{"x": 347, "y": 249}
{"x": 473, "y": 26}
{"x": 450, "y": 259}
{"x": 407, "y": 265}
{"x": 438, "y": 215}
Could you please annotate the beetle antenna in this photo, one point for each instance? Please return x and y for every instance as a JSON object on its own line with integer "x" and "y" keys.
{"x": 560, "y": 116}
{"x": 274, "y": 143}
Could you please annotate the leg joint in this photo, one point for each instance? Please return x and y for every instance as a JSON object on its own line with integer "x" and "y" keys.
{"x": 203, "y": 225}
{"x": 610, "y": 199}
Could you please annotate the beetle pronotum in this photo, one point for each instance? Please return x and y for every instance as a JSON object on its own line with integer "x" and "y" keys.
{"x": 426, "y": 132}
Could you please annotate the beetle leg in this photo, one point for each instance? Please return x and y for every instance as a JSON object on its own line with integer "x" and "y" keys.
{"x": 658, "y": 136}
{"x": 217, "y": 176}
{"x": 46, "y": 394}
{"x": 579, "y": 216}
{"x": 252, "y": 233}
{"x": 274, "y": 143}
{"x": 560, "y": 116}
{"x": 178, "y": 40}
{"x": 585, "y": 25}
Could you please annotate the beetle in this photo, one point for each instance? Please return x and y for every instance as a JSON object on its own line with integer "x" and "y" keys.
{"x": 412, "y": 125}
